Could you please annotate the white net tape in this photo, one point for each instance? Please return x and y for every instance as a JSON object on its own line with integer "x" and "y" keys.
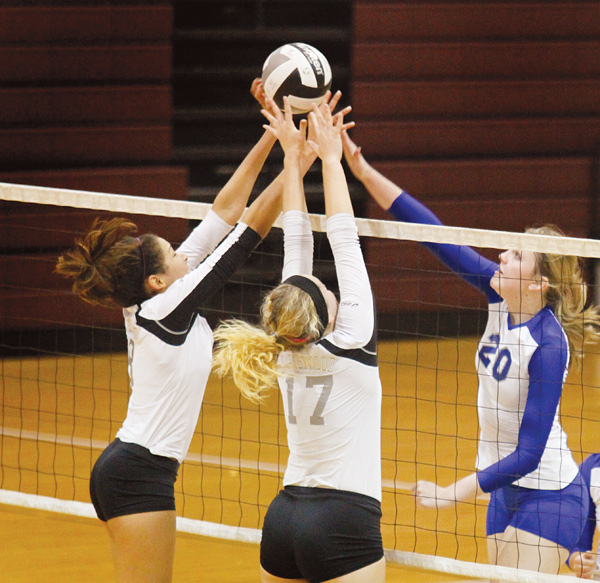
{"x": 366, "y": 227}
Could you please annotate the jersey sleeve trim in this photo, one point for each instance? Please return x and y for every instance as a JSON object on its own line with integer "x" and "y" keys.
{"x": 211, "y": 276}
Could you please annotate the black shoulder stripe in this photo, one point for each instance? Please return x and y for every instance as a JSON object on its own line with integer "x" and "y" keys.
{"x": 356, "y": 354}
{"x": 366, "y": 355}
{"x": 171, "y": 337}
{"x": 174, "y": 328}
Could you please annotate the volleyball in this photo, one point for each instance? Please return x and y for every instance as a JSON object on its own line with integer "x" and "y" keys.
{"x": 298, "y": 71}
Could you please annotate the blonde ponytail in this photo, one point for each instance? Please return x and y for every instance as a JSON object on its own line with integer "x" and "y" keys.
{"x": 567, "y": 294}
{"x": 249, "y": 355}
{"x": 289, "y": 321}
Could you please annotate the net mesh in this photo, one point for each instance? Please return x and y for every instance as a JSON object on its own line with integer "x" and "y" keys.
{"x": 65, "y": 383}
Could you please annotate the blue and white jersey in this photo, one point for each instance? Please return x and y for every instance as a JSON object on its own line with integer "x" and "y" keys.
{"x": 590, "y": 472}
{"x": 521, "y": 372}
{"x": 170, "y": 343}
{"x": 331, "y": 389}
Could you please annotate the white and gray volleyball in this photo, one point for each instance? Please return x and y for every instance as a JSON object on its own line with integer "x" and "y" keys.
{"x": 298, "y": 71}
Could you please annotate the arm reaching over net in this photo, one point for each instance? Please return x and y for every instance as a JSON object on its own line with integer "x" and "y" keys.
{"x": 463, "y": 260}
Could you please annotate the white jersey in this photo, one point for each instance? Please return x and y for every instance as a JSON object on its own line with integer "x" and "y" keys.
{"x": 331, "y": 389}
{"x": 521, "y": 371}
{"x": 170, "y": 343}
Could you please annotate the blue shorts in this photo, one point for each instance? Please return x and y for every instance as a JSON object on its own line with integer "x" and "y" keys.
{"x": 555, "y": 515}
{"x": 128, "y": 479}
{"x": 319, "y": 534}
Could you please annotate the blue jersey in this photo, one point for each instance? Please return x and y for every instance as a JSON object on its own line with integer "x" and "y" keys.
{"x": 521, "y": 371}
{"x": 590, "y": 472}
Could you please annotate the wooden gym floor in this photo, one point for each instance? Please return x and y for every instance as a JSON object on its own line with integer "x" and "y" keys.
{"x": 57, "y": 413}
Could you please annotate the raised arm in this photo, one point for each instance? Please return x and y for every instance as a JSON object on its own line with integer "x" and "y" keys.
{"x": 328, "y": 145}
{"x": 355, "y": 320}
{"x": 231, "y": 201}
{"x": 292, "y": 140}
{"x": 463, "y": 260}
{"x": 298, "y": 239}
{"x": 383, "y": 190}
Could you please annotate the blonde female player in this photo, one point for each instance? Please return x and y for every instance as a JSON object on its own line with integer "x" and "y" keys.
{"x": 325, "y": 524}
{"x": 161, "y": 292}
{"x": 537, "y": 324}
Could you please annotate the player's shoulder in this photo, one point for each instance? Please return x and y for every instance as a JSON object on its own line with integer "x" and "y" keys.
{"x": 547, "y": 330}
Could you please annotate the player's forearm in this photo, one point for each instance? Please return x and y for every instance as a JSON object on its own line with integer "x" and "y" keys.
{"x": 293, "y": 187}
{"x": 382, "y": 189}
{"x": 337, "y": 196}
{"x": 233, "y": 197}
{"x": 464, "y": 490}
{"x": 263, "y": 212}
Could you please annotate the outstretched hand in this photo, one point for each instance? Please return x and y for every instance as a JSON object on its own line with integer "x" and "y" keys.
{"x": 354, "y": 158}
{"x": 325, "y": 137}
{"x": 258, "y": 92}
{"x": 281, "y": 125}
{"x": 327, "y": 107}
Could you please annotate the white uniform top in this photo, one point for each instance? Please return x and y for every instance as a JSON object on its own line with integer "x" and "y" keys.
{"x": 331, "y": 389}
{"x": 170, "y": 343}
{"x": 521, "y": 371}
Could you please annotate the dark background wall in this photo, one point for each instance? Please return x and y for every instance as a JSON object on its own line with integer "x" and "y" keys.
{"x": 489, "y": 112}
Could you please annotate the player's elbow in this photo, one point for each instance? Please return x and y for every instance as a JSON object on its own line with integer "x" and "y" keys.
{"x": 529, "y": 460}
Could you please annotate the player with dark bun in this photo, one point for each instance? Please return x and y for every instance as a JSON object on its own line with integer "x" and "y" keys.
{"x": 161, "y": 292}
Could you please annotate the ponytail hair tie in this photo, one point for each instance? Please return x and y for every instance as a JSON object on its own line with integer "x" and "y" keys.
{"x": 297, "y": 340}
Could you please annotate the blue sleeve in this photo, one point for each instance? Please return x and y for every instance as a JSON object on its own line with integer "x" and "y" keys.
{"x": 463, "y": 260}
{"x": 546, "y": 372}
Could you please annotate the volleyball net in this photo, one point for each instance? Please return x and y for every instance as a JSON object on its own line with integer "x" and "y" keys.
{"x": 65, "y": 384}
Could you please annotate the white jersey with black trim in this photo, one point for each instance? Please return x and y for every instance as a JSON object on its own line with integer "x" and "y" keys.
{"x": 170, "y": 343}
{"x": 331, "y": 389}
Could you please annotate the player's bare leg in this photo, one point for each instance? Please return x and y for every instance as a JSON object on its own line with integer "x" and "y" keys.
{"x": 521, "y": 549}
{"x": 143, "y": 546}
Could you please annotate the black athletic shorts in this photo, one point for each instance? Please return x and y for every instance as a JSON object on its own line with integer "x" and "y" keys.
{"x": 128, "y": 479}
{"x": 319, "y": 534}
